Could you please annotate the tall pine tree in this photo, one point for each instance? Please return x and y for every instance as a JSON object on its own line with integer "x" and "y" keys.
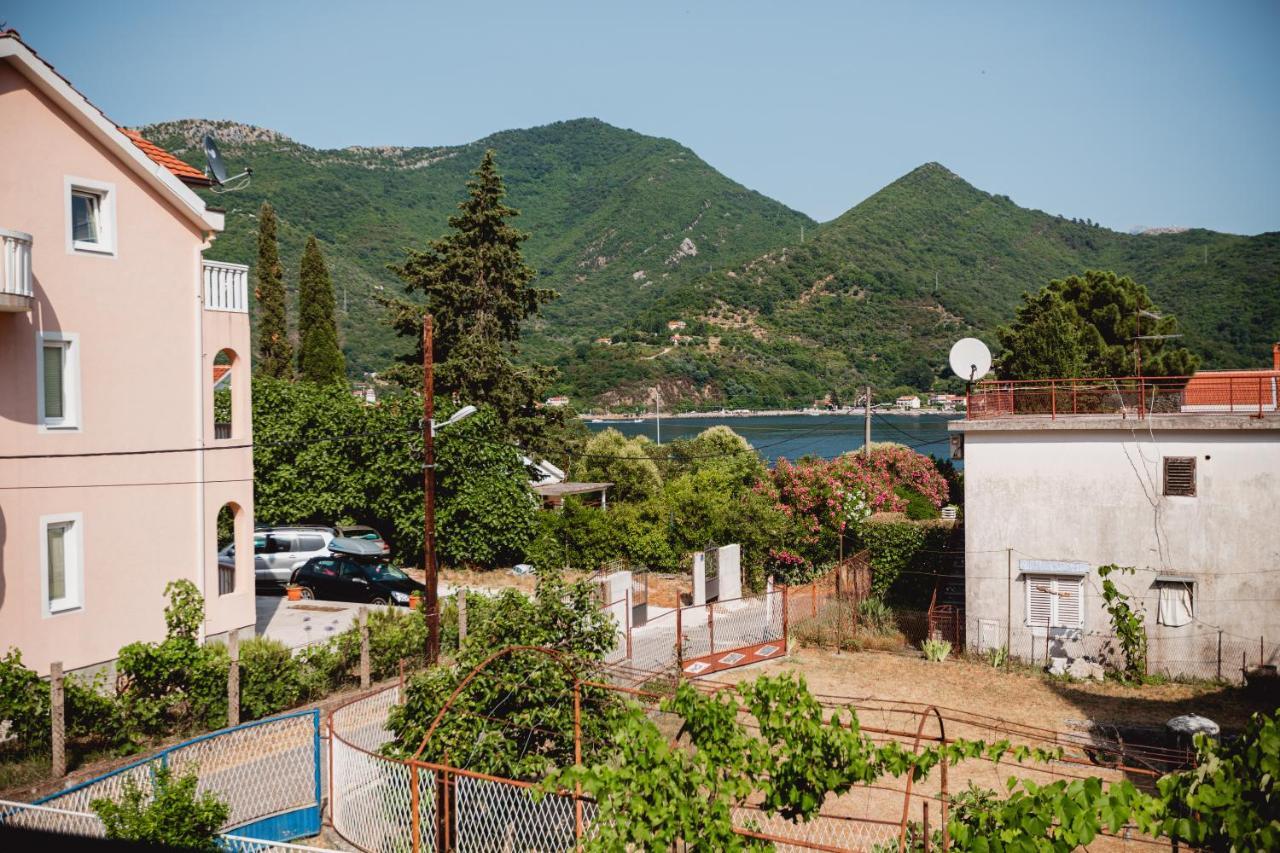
{"x": 275, "y": 353}
{"x": 478, "y": 288}
{"x": 320, "y": 358}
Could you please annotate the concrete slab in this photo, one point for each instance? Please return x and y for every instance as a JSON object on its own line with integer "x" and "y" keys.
{"x": 300, "y": 623}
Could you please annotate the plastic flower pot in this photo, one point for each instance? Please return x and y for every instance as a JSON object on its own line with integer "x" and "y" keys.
{"x": 415, "y": 601}
{"x": 294, "y": 593}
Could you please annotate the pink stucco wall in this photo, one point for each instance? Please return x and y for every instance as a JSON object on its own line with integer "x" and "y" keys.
{"x": 146, "y": 354}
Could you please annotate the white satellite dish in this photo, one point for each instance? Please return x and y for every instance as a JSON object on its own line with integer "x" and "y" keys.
{"x": 970, "y": 359}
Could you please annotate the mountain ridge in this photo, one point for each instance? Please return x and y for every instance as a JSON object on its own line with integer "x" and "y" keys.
{"x": 637, "y": 231}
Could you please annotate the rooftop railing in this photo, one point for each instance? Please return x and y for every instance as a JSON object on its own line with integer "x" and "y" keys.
{"x": 1253, "y": 393}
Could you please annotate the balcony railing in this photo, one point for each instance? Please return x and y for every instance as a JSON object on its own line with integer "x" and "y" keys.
{"x": 1255, "y": 393}
{"x": 16, "y": 293}
{"x": 226, "y": 287}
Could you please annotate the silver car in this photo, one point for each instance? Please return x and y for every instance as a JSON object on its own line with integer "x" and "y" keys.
{"x": 277, "y": 551}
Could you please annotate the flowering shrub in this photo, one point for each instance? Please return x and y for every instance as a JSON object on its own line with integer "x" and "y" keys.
{"x": 788, "y": 567}
{"x": 828, "y": 499}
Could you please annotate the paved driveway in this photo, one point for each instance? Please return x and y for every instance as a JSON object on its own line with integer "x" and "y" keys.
{"x": 298, "y": 623}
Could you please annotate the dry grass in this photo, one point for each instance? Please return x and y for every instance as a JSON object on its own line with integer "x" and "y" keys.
{"x": 1030, "y": 698}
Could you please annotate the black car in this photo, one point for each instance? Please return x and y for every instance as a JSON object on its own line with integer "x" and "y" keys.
{"x": 343, "y": 577}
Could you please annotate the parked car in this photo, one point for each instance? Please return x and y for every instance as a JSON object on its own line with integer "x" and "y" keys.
{"x": 362, "y": 531}
{"x": 354, "y": 570}
{"x": 277, "y": 551}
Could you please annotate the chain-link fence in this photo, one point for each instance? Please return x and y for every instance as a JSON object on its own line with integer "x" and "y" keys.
{"x": 1191, "y": 653}
{"x": 263, "y": 770}
{"x": 38, "y": 818}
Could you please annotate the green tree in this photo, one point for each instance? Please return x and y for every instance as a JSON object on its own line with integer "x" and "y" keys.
{"x": 167, "y": 812}
{"x": 476, "y": 285}
{"x": 1085, "y": 326}
{"x": 610, "y": 457}
{"x": 275, "y": 353}
{"x": 515, "y": 718}
{"x": 320, "y": 358}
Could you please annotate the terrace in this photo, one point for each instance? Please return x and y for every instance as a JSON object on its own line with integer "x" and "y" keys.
{"x": 1252, "y": 393}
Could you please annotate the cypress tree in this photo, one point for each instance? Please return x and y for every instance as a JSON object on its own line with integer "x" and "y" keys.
{"x": 320, "y": 358}
{"x": 476, "y": 284}
{"x": 275, "y": 353}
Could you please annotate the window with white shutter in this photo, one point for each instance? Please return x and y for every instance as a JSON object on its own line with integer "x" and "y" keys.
{"x": 62, "y": 562}
{"x": 1055, "y": 601}
{"x": 58, "y": 380}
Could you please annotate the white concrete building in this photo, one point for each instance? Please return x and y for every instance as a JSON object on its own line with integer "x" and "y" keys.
{"x": 1188, "y": 498}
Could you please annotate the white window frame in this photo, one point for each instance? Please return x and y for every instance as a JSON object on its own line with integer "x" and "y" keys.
{"x": 106, "y": 192}
{"x": 1055, "y": 621}
{"x": 70, "y": 343}
{"x": 74, "y": 563}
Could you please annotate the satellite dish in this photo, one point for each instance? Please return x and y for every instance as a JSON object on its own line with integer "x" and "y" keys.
{"x": 970, "y": 359}
{"x": 216, "y": 167}
{"x": 217, "y": 170}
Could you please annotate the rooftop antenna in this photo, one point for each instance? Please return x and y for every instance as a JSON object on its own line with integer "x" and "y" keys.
{"x": 1138, "y": 314}
{"x": 217, "y": 170}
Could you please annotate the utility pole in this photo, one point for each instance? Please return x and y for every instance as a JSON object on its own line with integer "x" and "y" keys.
{"x": 657, "y": 403}
{"x": 431, "y": 602}
{"x": 866, "y": 424}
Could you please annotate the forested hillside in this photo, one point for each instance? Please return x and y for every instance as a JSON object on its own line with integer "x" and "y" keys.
{"x": 636, "y": 231}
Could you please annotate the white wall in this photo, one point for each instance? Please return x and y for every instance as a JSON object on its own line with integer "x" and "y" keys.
{"x": 1096, "y": 496}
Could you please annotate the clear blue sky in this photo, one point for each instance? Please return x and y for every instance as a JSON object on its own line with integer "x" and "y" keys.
{"x": 1128, "y": 113}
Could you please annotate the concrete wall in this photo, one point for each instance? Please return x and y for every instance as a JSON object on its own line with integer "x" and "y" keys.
{"x": 1095, "y": 495}
{"x": 146, "y": 355}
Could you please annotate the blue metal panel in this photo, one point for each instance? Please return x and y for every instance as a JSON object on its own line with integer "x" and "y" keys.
{"x": 300, "y": 823}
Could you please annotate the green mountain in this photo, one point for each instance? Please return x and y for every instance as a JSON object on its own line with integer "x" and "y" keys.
{"x": 879, "y": 294}
{"x": 638, "y": 232}
{"x": 616, "y": 218}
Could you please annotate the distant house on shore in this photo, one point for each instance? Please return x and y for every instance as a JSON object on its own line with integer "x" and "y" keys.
{"x": 557, "y": 402}
{"x": 1179, "y": 479}
{"x": 907, "y": 402}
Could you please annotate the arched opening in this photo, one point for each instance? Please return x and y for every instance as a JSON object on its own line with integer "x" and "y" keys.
{"x": 228, "y": 519}
{"x": 223, "y": 400}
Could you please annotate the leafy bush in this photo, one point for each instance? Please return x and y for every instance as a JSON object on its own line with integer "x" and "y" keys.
{"x": 998, "y": 657}
{"x": 935, "y": 650}
{"x": 92, "y": 712}
{"x": 178, "y": 683}
{"x": 788, "y": 568}
{"x": 24, "y": 707}
{"x": 270, "y": 678}
{"x": 170, "y": 814}
{"x": 322, "y": 668}
{"x": 919, "y": 508}
{"x": 1126, "y": 623}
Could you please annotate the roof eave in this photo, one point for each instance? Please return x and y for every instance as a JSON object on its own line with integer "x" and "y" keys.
{"x": 89, "y": 117}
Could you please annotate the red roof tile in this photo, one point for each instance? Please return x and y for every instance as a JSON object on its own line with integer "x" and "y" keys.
{"x": 183, "y": 171}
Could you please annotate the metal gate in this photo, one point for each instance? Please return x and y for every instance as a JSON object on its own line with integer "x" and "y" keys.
{"x": 639, "y": 598}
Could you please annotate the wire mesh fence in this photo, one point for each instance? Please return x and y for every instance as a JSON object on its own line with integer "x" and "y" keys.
{"x": 259, "y": 769}
{"x": 38, "y": 818}
{"x": 1191, "y": 653}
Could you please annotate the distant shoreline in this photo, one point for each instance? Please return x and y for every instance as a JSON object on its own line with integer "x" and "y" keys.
{"x": 763, "y": 413}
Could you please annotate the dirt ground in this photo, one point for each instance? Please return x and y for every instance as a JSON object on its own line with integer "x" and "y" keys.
{"x": 1024, "y": 697}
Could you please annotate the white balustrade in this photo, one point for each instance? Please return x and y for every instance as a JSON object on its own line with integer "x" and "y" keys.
{"x": 16, "y": 292}
{"x": 226, "y": 287}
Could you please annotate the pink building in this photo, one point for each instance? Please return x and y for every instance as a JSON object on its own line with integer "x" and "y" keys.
{"x": 112, "y": 470}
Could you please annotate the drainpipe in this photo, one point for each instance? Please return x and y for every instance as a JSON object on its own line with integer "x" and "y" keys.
{"x": 199, "y": 442}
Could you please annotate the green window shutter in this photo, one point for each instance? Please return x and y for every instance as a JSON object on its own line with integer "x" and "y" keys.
{"x": 57, "y": 552}
{"x": 53, "y": 391}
